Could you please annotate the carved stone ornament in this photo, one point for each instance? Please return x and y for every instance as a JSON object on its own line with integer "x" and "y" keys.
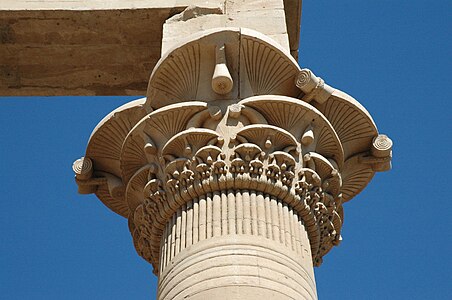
{"x": 230, "y": 115}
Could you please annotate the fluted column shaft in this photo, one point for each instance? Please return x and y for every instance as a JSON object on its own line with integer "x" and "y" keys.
{"x": 238, "y": 244}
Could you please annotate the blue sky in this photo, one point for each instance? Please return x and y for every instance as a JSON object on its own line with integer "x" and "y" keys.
{"x": 392, "y": 56}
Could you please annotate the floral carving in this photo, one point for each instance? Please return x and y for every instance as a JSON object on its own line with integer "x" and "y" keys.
{"x": 187, "y": 142}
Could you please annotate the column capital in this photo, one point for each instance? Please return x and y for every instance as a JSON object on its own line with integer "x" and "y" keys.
{"x": 229, "y": 109}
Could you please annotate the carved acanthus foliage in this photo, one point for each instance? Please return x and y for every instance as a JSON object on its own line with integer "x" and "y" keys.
{"x": 263, "y": 157}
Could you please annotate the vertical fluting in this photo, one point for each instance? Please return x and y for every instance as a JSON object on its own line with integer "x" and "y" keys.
{"x": 261, "y": 226}
{"x": 292, "y": 229}
{"x": 173, "y": 237}
{"x": 189, "y": 226}
{"x": 178, "y": 230}
{"x": 286, "y": 225}
{"x": 246, "y": 212}
{"x": 195, "y": 221}
{"x": 253, "y": 202}
{"x": 298, "y": 233}
{"x": 216, "y": 214}
{"x": 224, "y": 213}
{"x": 183, "y": 231}
{"x": 282, "y": 235}
{"x": 275, "y": 219}
{"x": 168, "y": 238}
{"x": 268, "y": 217}
{"x": 202, "y": 218}
{"x": 228, "y": 213}
{"x": 209, "y": 216}
{"x": 239, "y": 212}
{"x": 163, "y": 245}
{"x": 238, "y": 224}
{"x": 231, "y": 212}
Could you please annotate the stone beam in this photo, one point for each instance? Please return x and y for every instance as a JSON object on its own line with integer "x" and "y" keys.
{"x": 292, "y": 9}
{"x": 96, "y": 47}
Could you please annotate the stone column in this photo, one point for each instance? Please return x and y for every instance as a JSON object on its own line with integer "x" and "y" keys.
{"x": 233, "y": 170}
{"x": 235, "y": 244}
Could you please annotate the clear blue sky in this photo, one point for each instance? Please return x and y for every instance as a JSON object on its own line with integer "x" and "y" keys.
{"x": 393, "y": 56}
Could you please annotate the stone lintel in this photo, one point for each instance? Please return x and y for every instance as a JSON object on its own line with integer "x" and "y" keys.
{"x": 103, "y": 5}
{"x": 292, "y": 11}
{"x": 94, "y": 47}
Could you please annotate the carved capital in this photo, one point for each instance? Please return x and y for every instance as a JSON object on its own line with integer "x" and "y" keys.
{"x": 227, "y": 112}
